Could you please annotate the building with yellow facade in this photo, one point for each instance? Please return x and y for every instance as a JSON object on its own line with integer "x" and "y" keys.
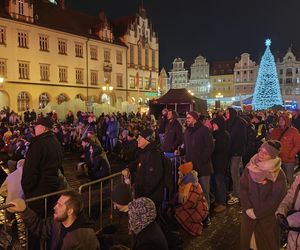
{"x": 221, "y": 79}
{"x": 51, "y": 55}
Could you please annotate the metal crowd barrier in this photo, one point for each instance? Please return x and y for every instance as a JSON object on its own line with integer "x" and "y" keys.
{"x": 100, "y": 182}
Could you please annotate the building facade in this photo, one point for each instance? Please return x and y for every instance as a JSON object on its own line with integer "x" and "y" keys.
{"x": 199, "y": 80}
{"x": 178, "y": 76}
{"x": 288, "y": 68}
{"x": 221, "y": 79}
{"x": 49, "y": 54}
{"x": 163, "y": 85}
{"x": 245, "y": 74}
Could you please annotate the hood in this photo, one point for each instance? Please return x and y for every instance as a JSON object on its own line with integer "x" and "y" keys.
{"x": 287, "y": 120}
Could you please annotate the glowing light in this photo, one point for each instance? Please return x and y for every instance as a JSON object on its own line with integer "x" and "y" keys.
{"x": 219, "y": 95}
{"x": 1, "y": 79}
{"x": 104, "y": 88}
{"x": 110, "y": 88}
{"x": 267, "y": 90}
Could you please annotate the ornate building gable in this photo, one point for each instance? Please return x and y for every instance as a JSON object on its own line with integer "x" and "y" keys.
{"x": 104, "y": 29}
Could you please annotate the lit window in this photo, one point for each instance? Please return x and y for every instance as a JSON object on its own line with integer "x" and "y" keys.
{"x": 119, "y": 57}
{"x": 3, "y": 67}
{"x": 23, "y": 101}
{"x": 2, "y": 35}
{"x": 94, "y": 52}
{"x": 79, "y": 75}
{"x": 94, "y": 77}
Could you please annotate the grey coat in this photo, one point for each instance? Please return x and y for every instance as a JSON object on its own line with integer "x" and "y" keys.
{"x": 294, "y": 219}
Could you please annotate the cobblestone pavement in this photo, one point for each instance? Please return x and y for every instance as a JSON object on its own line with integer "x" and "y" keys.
{"x": 222, "y": 234}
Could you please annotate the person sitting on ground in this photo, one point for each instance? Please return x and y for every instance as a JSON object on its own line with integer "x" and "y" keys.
{"x": 146, "y": 233}
{"x": 191, "y": 206}
{"x": 69, "y": 228}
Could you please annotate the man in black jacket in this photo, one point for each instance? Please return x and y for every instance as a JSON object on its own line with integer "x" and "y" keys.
{"x": 173, "y": 133}
{"x": 148, "y": 168}
{"x": 198, "y": 147}
{"x": 236, "y": 126}
{"x": 67, "y": 229}
{"x": 43, "y": 159}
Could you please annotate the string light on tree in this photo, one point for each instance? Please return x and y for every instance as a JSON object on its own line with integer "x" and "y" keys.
{"x": 267, "y": 90}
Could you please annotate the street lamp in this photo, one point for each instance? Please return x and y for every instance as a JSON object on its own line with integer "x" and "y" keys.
{"x": 219, "y": 95}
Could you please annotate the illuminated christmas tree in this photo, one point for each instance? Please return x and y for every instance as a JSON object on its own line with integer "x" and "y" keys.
{"x": 267, "y": 91}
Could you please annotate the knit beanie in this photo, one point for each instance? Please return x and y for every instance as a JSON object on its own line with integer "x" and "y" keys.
{"x": 121, "y": 194}
{"x": 272, "y": 147}
{"x": 148, "y": 134}
{"x": 141, "y": 212}
{"x": 194, "y": 114}
{"x": 186, "y": 168}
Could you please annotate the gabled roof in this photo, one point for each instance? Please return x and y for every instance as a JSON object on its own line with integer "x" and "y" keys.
{"x": 177, "y": 96}
{"x": 222, "y": 67}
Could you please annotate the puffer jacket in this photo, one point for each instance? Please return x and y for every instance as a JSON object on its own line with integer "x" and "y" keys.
{"x": 80, "y": 234}
{"x": 293, "y": 219}
{"x": 290, "y": 141}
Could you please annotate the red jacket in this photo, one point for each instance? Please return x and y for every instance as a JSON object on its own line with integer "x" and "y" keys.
{"x": 290, "y": 142}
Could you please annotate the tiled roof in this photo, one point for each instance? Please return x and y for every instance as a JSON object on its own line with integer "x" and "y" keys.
{"x": 222, "y": 67}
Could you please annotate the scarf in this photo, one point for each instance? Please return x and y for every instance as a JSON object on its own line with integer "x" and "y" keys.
{"x": 262, "y": 170}
{"x": 185, "y": 183}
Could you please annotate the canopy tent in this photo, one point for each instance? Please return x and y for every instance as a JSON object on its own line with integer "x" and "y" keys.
{"x": 180, "y": 100}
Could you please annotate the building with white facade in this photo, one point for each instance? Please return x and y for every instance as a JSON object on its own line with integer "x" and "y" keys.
{"x": 245, "y": 73}
{"x": 199, "y": 80}
{"x": 288, "y": 68}
{"x": 178, "y": 76}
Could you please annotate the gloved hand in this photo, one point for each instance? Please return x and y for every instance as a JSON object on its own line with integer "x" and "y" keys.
{"x": 282, "y": 221}
{"x": 250, "y": 213}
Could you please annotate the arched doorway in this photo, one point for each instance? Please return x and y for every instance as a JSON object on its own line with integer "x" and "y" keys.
{"x": 80, "y": 97}
{"x": 62, "y": 98}
{"x": 4, "y": 100}
{"x": 105, "y": 98}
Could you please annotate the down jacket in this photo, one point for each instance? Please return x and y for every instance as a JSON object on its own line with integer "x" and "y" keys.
{"x": 290, "y": 141}
{"x": 293, "y": 219}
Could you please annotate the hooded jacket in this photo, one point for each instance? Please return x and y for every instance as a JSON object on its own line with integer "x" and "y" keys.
{"x": 290, "y": 141}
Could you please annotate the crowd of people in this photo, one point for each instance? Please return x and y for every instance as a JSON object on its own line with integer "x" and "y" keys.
{"x": 179, "y": 172}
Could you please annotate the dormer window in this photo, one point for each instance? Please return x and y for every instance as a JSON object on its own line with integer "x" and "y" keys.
{"x": 21, "y": 7}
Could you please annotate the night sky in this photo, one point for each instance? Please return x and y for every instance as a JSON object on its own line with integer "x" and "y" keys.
{"x": 216, "y": 29}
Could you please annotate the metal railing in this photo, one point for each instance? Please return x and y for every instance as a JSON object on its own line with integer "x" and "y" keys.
{"x": 100, "y": 182}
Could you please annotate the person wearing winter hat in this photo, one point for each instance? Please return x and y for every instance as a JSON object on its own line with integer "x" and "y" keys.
{"x": 149, "y": 169}
{"x": 290, "y": 145}
{"x": 262, "y": 188}
{"x": 146, "y": 233}
{"x": 192, "y": 207}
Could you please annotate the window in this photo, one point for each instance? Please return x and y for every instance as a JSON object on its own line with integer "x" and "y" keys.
{"x": 119, "y": 80}
{"x": 140, "y": 82}
{"x": 146, "y": 83}
{"x": 131, "y": 54}
{"x": 2, "y": 35}
{"x": 297, "y": 71}
{"x": 139, "y": 56}
{"x": 131, "y": 82}
{"x": 63, "y": 74}
{"x": 62, "y": 98}
{"x": 280, "y": 72}
{"x": 153, "y": 58}
{"x": 44, "y": 72}
{"x": 62, "y": 47}
{"x": 21, "y": 7}
{"x": 23, "y": 101}
{"x": 22, "y": 39}
{"x": 107, "y": 77}
{"x": 3, "y": 67}
{"x": 107, "y": 56}
{"x": 119, "y": 57}
{"x": 289, "y": 80}
{"x": 94, "y": 52}
{"x": 23, "y": 70}
{"x": 79, "y": 75}
{"x": 94, "y": 77}
{"x": 147, "y": 57}
{"x": 289, "y": 72}
{"x": 280, "y": 80}
{"x": 44, "y": 43}
{"x": 43, "y": 100}
{"x": 78, "y": 50}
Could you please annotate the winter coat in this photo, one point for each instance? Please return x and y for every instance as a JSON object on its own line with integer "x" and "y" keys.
{"x": 40, "y": 173}
{"x": 80, "y": 235}
{"x": 112, "y": 129}
{"x": 290, "y": 142}
{"x": 191, "y": 213}
{"x": 173, "y": 136}
{"x": 163, "y": 122}
{"x": 149, "y": 174}
{"x": 294, "y": 219}
{"x": 150, "y": 238}
{"x": 198, "y": 147}
{"x": 221, "y": 152}
{"x": 264, "y": 199}
{"x": 238, "y": 135}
